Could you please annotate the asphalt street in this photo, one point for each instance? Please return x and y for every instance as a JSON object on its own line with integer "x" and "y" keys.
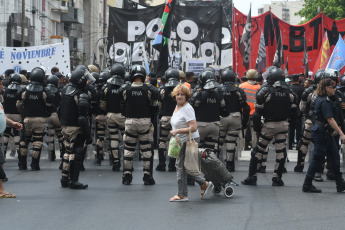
{"x": 107, "y": 204}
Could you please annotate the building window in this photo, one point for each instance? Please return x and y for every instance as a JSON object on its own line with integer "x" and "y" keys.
{"x": 56, "y": 29}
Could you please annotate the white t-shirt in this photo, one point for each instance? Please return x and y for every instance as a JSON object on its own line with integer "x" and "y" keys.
{"x": 179, "y": 121}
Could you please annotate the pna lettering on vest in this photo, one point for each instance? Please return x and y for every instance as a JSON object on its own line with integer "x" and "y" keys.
{"x": 33, "y": 97}
{"x": 211, "y": 101}
{"x": 137, "y": 93}
{"x": 280, "y": 94}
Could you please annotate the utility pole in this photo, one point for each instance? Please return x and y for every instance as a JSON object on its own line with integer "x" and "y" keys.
{"x": 23, "y": 22}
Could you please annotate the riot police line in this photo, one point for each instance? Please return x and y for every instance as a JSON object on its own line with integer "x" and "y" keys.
{"x": 121, "y": 103}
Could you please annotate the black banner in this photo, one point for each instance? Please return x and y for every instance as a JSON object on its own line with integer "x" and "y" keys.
{"x": 196, "y": 33}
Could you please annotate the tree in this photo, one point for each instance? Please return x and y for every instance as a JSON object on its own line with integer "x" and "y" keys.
{"x": 332, "y": 8}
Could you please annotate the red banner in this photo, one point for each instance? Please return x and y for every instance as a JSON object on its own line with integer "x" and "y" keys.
{"x": 293, "y": 39}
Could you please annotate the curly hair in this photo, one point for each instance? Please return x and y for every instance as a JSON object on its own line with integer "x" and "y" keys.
{"x": 181, "y": 88}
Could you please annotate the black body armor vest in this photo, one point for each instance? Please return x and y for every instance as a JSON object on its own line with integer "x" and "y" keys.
{"x": 10, "y": 99}
{"x": 279, "y": 106}
{"x": 208, "y": 110}
{"x": 68, "y": 107}
{"x": 113, "y": 98}
{"x": 232, "y": 100}
{"x": 137, "y": 103}
{"x": 34, "y": 104}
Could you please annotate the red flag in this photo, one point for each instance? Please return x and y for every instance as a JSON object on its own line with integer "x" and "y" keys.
{"x": 324, "y": 55}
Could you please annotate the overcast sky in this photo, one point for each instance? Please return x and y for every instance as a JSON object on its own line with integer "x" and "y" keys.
{"x": 244, "y": 5}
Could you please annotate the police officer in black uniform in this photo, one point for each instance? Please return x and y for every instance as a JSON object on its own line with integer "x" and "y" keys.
{"x": 90, "y": 90}
{"x": 111, "y": 103}
{"x": 73, "y": 114}
{"x": 209, "y": 105}
{"x": 54, "y": 127}
{"x": 307, "y": 113}
{"x": 10, "y": 96}
{"x": 34, "y": 102}
{"x": 168, "y": 105}
{"x": 276, "y": 103}
{"x": 239, "y": 110}
{"x": 139, "y": 102}
{"x": 99, "y": 117}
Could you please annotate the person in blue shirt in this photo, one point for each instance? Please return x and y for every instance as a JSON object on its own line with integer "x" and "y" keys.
{"x": 325, "y": 128}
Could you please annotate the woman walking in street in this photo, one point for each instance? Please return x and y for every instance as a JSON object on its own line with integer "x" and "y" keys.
{"x": 183, "y": 121}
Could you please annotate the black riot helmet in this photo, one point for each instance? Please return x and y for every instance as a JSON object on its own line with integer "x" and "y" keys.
{"x": 127, "y": 77}
{"x": 266, "y": 73}
{"x": 118, "y": 70}
{"x": 275, "y": 74}
{"x": 37, "y": 75}
{"x": 103, "y": 77}
{"x": 172, "y": 77}
{"x": 95, "y": 75}
{"x": 14, "y": 77}
{"x": 208, "y": 80}
{"x": 78, "y": 77}
{"x": 87, "y": 75}
{"x": 318, "y": 76}
{"x": 53, "y": 80}
{"x": 138, "y": 71}
{"x": 332, "y": 74}
{"x": 228, "y": 75}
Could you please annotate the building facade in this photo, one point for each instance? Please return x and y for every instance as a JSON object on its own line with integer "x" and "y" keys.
{"x": 285, "y": 10}
{"x": 83, "y": 22}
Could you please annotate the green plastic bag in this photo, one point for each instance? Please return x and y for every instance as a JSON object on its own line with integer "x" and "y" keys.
{"x": 174, "y": 147}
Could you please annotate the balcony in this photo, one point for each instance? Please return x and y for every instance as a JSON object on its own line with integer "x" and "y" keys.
{"x": 74, "y": 15}
{"x": 59, "y": 6}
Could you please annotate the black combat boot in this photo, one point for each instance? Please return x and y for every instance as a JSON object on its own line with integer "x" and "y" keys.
{"x": 161, "y": 155}
{"x": 35, "y": 164}
{"x": 127, "y": 179}
{"x": 22, "y": 162}
{"x": 250, "y": 180}
{"x": 299, "y": 167}
{"x": 309, "y": 187}
{"x": 74, "y": 174}
{"x": 116, "y": 165}
{"x": 52, "y": 155}
{"x": 277, "y": 181}
{"x": 230, "y": 166}
{"x": 148, "y": 179}
{"x": 340, "y": 184}
{"x": 65, "y": 182}
{"x": 171, "y": 166}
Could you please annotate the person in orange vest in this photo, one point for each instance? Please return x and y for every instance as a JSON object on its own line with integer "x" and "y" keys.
{"x": 250, "y": 88}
